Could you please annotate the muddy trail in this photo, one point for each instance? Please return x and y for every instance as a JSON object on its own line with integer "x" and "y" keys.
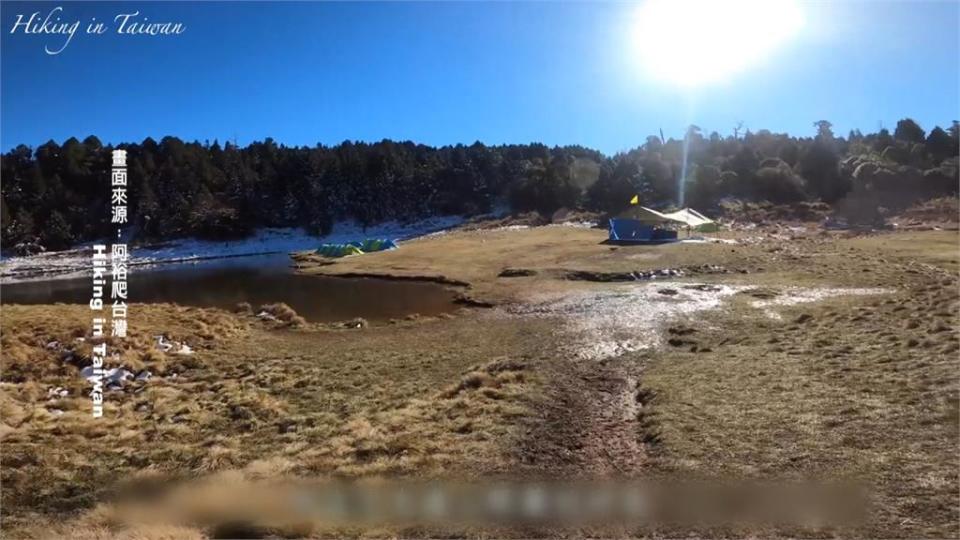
{"x": 591, "y": 426}
{"x": 596, "y": 420}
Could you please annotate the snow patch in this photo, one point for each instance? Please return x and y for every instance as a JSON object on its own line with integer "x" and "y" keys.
{"x": 172, "y": 347}
{"x": 606, "y": 324}
{"x": 798, "y": 295}
{"x": 707, "y": 240}
{"x": 76, "y": 262}
{"x": 630, "y": 317}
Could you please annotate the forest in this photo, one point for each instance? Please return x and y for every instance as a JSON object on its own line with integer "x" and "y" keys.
{"x": 57, "y": 195}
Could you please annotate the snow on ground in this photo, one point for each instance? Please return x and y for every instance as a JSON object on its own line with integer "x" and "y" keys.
{"x": 706, "y": 240}
{"x": 626, "y": 318}
{"x": 799, "y": 295}
{"x": 76, "y": 262}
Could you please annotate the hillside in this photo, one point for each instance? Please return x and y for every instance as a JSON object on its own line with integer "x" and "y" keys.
{"x": 56, "y": 196}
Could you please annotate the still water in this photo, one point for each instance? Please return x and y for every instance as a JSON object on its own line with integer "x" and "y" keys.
{"x": 258, "y": 280}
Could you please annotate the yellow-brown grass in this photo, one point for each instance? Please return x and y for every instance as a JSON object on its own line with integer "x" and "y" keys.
{"x": 263, "y": 402}
{"x": 851, "y": 386}
{"x": 283, "y": 313}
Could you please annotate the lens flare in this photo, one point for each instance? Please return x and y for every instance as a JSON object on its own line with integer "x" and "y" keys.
{"x": 694, "y": 42}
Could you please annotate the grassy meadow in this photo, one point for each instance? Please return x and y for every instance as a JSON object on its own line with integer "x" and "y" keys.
{"x": 768, "y": 385}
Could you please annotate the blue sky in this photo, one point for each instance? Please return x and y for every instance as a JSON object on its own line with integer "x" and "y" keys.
{"x": 446, "y": 73}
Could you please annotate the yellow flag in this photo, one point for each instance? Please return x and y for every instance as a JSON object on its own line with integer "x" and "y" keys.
{"x": 635, "y": 199}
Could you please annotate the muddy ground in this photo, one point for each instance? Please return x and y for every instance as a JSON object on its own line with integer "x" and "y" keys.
{"x": 763, "y": 355}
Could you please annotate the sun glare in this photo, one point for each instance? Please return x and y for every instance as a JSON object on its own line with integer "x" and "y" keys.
{"x": 695, "y": 42}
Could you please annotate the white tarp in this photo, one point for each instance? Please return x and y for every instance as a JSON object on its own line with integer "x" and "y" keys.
{"x": 689, "y": 217}
{"x": 686, "y": 216}
{"x": 646, "y": 215}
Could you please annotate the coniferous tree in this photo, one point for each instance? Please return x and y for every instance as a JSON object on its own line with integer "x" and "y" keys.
{"x": 60, "y": 193}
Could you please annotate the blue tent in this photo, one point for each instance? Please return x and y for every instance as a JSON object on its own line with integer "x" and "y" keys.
{"x": 632, "y": 231}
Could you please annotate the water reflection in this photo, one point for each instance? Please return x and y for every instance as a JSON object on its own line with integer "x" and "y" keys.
{"x": 257, "y": 280}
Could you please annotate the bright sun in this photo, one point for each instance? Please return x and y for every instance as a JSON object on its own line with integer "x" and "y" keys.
{"x": 694, "y": 42}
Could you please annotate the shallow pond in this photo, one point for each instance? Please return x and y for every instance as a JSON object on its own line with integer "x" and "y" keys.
{"x": 258, "y": 280}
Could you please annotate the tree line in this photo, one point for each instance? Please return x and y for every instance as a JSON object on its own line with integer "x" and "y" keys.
{"x": 58, "y": 194}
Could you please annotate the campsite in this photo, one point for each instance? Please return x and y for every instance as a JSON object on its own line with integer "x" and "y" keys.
{"x": 644, "y": 269}
{"x": 763, "y": 353}
{"x": 646, "y": 226}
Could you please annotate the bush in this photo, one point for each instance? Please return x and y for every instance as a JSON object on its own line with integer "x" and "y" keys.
{"x": 778, "y": 185}
{"x": 283, "y": 313}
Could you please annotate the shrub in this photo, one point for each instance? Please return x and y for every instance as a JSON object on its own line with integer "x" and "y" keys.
{"x": 283, "y": 313}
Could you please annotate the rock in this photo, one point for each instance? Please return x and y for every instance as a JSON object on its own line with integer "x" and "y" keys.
{"x": 603, "y": 277}
{"x": 680, "y": 330}
{"x": 466, "y": 300}
{"x": 516, "y": 272}
{"x": 803, "y": 318}
{"x": 702, "y": 287}
{"x": 358, "y": 322}
{"x": 667, "y": 292}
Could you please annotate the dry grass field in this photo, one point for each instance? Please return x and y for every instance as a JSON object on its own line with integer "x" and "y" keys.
{"x": 772, "y": 377}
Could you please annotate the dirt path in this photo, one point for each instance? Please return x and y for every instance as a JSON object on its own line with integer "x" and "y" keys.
{"x": 589, "y": 424}
{"x": 595, "y": 421}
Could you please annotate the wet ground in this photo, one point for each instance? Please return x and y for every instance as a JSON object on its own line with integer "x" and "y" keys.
{"x": 625, "y": 318}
